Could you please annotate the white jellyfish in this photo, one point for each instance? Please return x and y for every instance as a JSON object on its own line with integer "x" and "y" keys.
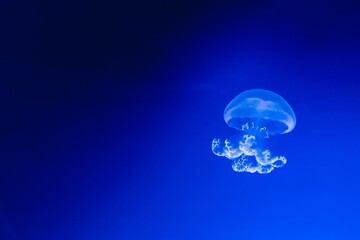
{"x": 258, "y": 114}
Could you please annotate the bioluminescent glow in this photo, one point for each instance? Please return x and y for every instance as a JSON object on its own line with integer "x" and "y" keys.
{"x": 258, "y": 114}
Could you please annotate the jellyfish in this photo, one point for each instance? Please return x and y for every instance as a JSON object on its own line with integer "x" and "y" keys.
{"x": 257, "y": 115}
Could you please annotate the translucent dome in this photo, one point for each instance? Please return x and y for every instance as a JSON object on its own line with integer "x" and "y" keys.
{"x": 263, "y": 109}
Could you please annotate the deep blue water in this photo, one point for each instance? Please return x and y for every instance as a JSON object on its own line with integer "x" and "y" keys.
{"x": 109, "y": 108}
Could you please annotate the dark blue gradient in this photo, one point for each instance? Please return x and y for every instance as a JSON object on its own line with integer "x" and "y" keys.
{"x": 108, "y": 110}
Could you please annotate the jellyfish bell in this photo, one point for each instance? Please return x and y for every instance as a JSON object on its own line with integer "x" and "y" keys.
{"x": 260, "y": 111}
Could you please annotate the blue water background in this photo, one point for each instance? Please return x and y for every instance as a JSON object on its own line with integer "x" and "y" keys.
{"x": 124, "y": 152}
